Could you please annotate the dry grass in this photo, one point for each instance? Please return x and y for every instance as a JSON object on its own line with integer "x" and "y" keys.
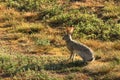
{"x": 87, "y": 3}
{"x": 29, "y": 28}
{"x": 21, "y": 56}
{"x": 103, "y": 45}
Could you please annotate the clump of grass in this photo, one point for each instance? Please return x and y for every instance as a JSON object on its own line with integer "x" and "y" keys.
{"x": 25, "y": 5}
{"x": 29, "y": 28}
{"x": 45, "y": 77}
{"x": 111, "y": 76}
{"x": 110, "y": 56}
{"x": 42, "y": 42}
{"x": 98, "y": 72}
{"x": 116, "y": 45}
{"x": 29, "y": 5}
{"x": 50, "y": 12}
{"x": 111, "y": 10}
{"x": 74, "y": 76}
{"x": 97, "y": 44}
{"x": 10, "y": 15}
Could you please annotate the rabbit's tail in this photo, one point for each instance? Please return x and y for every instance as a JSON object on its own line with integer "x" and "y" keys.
{"x": 92, "y": 59}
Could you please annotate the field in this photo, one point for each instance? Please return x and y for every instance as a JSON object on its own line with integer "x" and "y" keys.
{"x": 31, "y": 45}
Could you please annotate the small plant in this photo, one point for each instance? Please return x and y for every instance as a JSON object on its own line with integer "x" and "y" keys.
{"x": 70, "y": 77}
{"x": 24, "y": 5}
{"x": 111, "y": 10}
{"x": 116, "y": 45}
{"x": 50, "y": 12}
{"x": 29, "y": 5}
{"x": 45, "y": 77}
{"x": 42, "y": 42}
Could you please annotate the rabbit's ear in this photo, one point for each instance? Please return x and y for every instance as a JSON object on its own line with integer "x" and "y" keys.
{"x": 69, "y": 30}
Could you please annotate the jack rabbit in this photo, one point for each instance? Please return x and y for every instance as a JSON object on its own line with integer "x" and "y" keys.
{"x": 74, "y": 47}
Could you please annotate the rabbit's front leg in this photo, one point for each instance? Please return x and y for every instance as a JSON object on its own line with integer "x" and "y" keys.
{"x": 72, "y": 56}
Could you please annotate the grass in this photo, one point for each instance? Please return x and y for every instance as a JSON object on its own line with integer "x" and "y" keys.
{"x": 29, "y": 28}
{"x": 26, "y": 67}
{"x": 91, "y": 26}
{"x": 43, "y": 67}
{"x": 111, "y": 10}
{"x": 32, "y": 46}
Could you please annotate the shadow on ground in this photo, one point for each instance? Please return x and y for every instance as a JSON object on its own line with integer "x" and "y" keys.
{"x": 62, "y": 65}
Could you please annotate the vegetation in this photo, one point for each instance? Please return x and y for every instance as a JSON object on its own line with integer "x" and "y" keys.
{"x": 19, "y": 66}
{"x": 31, "y": 39}
{"x": 86, "y": 21}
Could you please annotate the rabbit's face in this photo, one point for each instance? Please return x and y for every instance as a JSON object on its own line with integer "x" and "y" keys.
{"x": 66, "y": 37}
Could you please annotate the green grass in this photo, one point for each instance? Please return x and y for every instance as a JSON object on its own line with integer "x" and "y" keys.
{"x": 25, "y": 67}
{"x": 111, "y": 10}
{"x": 32, "y": 46}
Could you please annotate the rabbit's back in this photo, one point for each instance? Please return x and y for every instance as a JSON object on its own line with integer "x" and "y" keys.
{"x": 77, "y": 46}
